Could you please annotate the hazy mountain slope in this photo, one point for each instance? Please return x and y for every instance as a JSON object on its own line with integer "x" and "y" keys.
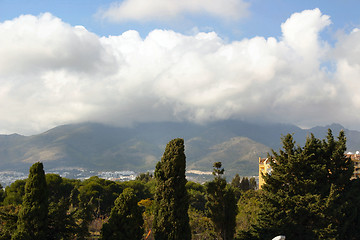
{"x": 94, "y": 146}
{"x": 238, "y": 155}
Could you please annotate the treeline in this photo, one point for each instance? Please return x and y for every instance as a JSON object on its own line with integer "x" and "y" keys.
{"x": 160, "y": 206}
{"x": 308, "y": 195}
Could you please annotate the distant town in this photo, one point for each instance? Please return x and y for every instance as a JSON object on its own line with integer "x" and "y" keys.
{"x": 8, "y": 177}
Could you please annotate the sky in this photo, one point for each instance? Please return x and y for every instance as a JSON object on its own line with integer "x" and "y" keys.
{"x": 130, "y": 61}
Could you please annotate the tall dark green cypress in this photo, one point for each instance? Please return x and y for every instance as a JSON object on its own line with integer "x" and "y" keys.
{"x": 32, "y": 219}
{"x": 171, "y": 220}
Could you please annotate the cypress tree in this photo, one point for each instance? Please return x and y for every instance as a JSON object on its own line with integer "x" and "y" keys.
{"x": 171, "y": 220}
{"x": 32, "y": 219}
{"x": 125, "y": 222}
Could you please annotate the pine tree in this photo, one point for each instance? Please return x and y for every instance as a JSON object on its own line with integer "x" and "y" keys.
{"x": 235, "y": 182}
{"x": 32, "y": 219}
{"x": 245, "y": 184}
{"x": 253, "y": 183}
{"x": 301, "y": 195}
{"x": 221, "y": 204}
{"x": 125, "y": 222}
{"x": 171, "y": 220}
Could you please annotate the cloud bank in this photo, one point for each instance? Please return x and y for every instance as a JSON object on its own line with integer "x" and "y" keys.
{"x": 145, "y": 10}
{"x": 53, "y": 73}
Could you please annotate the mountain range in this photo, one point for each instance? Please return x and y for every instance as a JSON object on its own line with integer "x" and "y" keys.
{"x": 237, "y": 144}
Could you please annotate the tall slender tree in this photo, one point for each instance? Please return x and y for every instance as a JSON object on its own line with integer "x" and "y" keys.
{"x": 171, "y": 220}
{"x": 221, "y": 204}
{"x": 32, "y": 219}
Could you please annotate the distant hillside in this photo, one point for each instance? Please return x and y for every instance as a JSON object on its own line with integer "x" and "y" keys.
{"x": 98, "y": 147}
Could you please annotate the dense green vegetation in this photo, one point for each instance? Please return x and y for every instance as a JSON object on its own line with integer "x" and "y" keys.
{"x": 125, "y": 220}
{"x": 171, "y": 220}
{"x": 308, "y": 195}
{"x": 221, "y": 204}
{"x": 33, "y": 215}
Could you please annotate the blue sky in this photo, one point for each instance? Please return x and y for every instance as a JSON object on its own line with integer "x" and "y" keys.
{"x": 264, "y": 19}
{"x": 171, "y": 60}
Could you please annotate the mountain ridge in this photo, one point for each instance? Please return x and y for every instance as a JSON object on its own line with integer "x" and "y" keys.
{"x": 237, "y": 144}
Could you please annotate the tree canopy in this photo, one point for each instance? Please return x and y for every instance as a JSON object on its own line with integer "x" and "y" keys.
{"x": 302, "y": 191}
{"x": 125, "y": 222}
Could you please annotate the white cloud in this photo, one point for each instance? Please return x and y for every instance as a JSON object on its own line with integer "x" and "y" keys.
{"x": 53, "y": 73}
{"x": 142, "y": 10}
{"x": 301, "y": 33}
{"x": 347, "y": 55}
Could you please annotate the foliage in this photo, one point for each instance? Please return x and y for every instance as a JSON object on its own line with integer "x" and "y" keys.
{"x": 61, "y": 221}
{"x": 235, "y": 182}
{"x": 349, "y": 210}
{"x": 144, "y": 177}
{"x": 201, "y": 226}
{"x": 301, "y": 195}
{"x": 8, "y": 219}
{"x": 99, "y": 194}
{"x": 197, "y": 195}
{"x": 171, "y": 220}
{"x": 252, "y": 183}
{"x": 32, "y": 218}
{"x": 2, "y": 194}
{"x": 15, "y": 192}
{"x": 93, "y": 199}
{"x": 141, "y": 188}
{"x": 221, "y": 204}
{"x": 125, "y": 220}
{"x": 248, "y": 211}
{"x": 243, "y": 184}
{"x": 148, "y": 216}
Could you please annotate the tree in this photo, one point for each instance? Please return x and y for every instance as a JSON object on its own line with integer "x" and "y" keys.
{"x": 144, "y": 177}
{"x": 93, "y": 199}
{"x": 248, "y": 206}
{"x": 171, "y": 220}
{"x": 221, "y": 204}
{"x": 201, "y": 226}
{"x": 302, "y": 195}
{"x": 245, "y": 184}
{"x": 8, "y": 219}
{"x": 32, "y": 219}
{"x": 253, "y": 183}
{"x": 15, "y": 192}
{"x": 125, "y": 222}
{"x": 61, "y": 221}
{"x": 196, "y": 193}
{"x": 235, "y": 182}
{"x": 350, "y": 210}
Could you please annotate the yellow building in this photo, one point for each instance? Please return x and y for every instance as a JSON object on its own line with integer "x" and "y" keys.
{"x": 264, "y": 167}
{"x": 356, "y": 159}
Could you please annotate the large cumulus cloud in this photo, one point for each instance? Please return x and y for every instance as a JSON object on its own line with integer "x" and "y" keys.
{"x": 53, "y": 73}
